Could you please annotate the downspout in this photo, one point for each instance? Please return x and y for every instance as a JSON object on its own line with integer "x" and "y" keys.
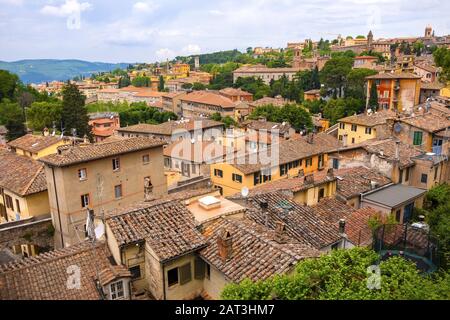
{"x": 57, "y": 207}
{"x": 164, "y": 281}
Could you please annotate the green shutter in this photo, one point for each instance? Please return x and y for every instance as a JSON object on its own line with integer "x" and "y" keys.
{"x": 417, "y": 141}
{"x": 185, "y": 273}
{"x": 199, "y": 266}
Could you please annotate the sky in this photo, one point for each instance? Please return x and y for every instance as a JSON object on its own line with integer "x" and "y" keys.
{"x": 154, "y": 30}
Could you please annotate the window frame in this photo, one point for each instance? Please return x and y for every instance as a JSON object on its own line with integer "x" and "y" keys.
{"x": 116, "y": 163}
{"x": 85, "y": 174}
{"x": 117, "y": 293}
{"x": 144, "y": 162}
{"x": 416, "y": 136}
{"x": 236, "y": 177}
{"x": 115, "y": 191}
{"x": 83, "y": 197}
{"x": 174, "y": 272}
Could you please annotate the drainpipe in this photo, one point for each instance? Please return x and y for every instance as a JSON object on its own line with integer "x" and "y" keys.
{"x": 57, "y": 207}
{"x": 164, "y": 281}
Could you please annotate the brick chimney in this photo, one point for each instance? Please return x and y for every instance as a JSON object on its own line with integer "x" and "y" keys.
{"x": 280, "y": 232}
{"x": 225, "y": 245}
{"x": 309, "y": 179}
{"x": 310, "y": 138}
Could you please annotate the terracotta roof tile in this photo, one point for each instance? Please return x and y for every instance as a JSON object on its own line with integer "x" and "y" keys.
{"x": 302, "y": 222}
{"x": 20, "y": 174}
{"x": 168, "y": 227}
{"x": 371, "y": 120}
{"x": 210, "y": 98}
{"x": 70, "y": 155}
{"x": 429, "y": 122}
{"x": 390, "y": 75}
{"x": 34, "y": 143}
{"x": 255, "y": 253}
{"x": 45, "y": 276}
{"x": 354, "y": 181}
{"x": 168, "y": 128}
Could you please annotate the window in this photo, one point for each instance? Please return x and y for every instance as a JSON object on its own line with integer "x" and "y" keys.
{"x": 208, "y": 271}
{"x": 335, "y": 164}
{"x": 407, "y": 175}
{"x": 400, "y": 176}
{"x": 237, "y": 178}
{"x": 17, "y": 206}
{"x": 135, "y": 272}
{"x": 84, "y": 200}
{"x": 321, "y": 160}
{"x": 194, "y": 169}
{"x": 341, "y": 125}
{"x": 117, "y": 291}
{"x": 309, "y": 162}
{"x": 256, "y": 178}
{"x": 354, "y": 127}
{"x": 368, "y": 130}
{"x": 118, "y": 191}
{"x": 218, "y": 173}
{"x": 9, "y": 202}
{"x": 145, "y": 159}
{"x": 417, "y": 141}
{"x": 398, "y": 215}
{"x": 386, "y": 94}
{"x": 321, "y": 193}
{"x": 340, "y": 137}
{"x": 283, "y": 170}
{"x": 172, "y": 277}
{"x": 116, "y": 164}
{"x": 167, "y": 162}
{"x": 353, "y": 140}
{"x": 424, "y": 178}
{"x": 82, "y": 174}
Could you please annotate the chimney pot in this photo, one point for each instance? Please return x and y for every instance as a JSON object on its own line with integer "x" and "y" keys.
{"x": 342, "y": 226}
{"x": 280, "y": 229}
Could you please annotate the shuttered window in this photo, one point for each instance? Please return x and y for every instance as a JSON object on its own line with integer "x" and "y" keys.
{"x": 185, "y": 273}
{"x": 199, "y": 266}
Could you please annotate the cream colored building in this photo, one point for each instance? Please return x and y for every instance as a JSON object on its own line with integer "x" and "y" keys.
{"x": 100, "y": 177}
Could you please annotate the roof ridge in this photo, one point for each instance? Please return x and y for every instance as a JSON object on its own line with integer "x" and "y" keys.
{"x": 38, "y": 172}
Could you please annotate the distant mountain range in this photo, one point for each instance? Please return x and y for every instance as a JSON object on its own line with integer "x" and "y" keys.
{"x": 41, "y": 70}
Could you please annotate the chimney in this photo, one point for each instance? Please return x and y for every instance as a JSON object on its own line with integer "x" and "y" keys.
{"x": 330, "y": 173}
{"x": 373, "y": 185}
{"x": 225, "y": 245}
{"x": 342, "y": 226}
{"x": 280, "y": 232}
{"x": 310, "y": 138}
{"x": 86, "y": 139}
{"x": 46, "y": 132}
{"x": 397, "y": 150}
{"x": 309, "y": 179}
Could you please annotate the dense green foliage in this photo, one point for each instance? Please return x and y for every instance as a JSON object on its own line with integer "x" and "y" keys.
{"x": 342, "y": 275}
{"x": 296, "y": 115}
{"x": 334, "y": 74}
{"x": 12, "y": 117}
{"x": 336, "y": 109}
{"x": 44, "y": 115}
{"x": 442, "y": 59}
{"x": 437, "y": 212}
{"x": 355, "y": 83}
{"x": 227, "y": 120}
{"x": 141, "y": 82}
{"x": 74, "y": 113}
{"x": 139, "y": 112}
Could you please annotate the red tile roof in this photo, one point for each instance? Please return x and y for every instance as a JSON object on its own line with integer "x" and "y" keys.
{"x": 34, "y": 143}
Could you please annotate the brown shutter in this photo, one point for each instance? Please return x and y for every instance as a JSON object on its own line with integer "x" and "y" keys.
{"x": 185, "y": 274}
{"x": 199, "y": 266}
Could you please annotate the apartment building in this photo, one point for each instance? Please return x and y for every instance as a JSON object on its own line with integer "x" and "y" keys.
{"x": 396, "y": 91}
{"x": 264, "y": 73}
{"x": 103, "y": 124}
{"x": 100, "y": 177}
{"x": 205, "y": 104}
{"x": 38, "y": 146}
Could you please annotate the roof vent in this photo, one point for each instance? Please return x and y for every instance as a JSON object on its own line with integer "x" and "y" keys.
{"x": 373, "y": 185}
{"x": 209, "y": 203}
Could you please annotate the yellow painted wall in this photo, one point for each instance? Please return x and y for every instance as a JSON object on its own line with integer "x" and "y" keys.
{"x": 359, "y": 135}
{"x": 231, "y": 187}
{"x": 42, "y": 153}
{"x": 310, "y": 196}
{"x": 445, "y": 92}
{"x": 33, "y": 205}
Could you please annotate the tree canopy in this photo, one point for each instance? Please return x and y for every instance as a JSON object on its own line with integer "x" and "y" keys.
{"x": 74, "y": 112}
{"x": 296, "y": 115}
{"x": 342, "y": 275}
{"x": 442, "y": 59}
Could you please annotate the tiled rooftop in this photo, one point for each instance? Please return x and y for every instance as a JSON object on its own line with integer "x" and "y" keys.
{"x": 255, "y": 253}
{"x": 70, "y": 155}
{"x": 370, "y": 120}
{"x": 34, "y": 143}
{"x": 354, "y": 181}
{"x": 302, "y": 223}
{"x": 20, "y": 174}
{"x": 45, "y": 276}
{"x": 167, "y": 226}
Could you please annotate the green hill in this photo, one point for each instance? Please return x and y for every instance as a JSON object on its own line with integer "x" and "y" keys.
{"x": 36, "y": 71}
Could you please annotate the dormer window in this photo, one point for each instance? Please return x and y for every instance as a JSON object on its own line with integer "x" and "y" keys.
{"x": 116, "y": 290}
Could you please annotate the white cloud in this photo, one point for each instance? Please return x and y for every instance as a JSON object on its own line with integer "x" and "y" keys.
{"x": 191, "y": 49}
{"x": 145, "y": 6}
{"x": 66, "y": 9}
{"x": 12, "y": 2}
{"x": 165, "y": 53}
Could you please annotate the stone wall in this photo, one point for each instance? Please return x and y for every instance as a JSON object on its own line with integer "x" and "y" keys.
{"x": 35, "y": 232}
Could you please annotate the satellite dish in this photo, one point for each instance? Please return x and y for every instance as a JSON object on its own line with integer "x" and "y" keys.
{"x": 245, "y": 192}
{"x": 397, "y": 127}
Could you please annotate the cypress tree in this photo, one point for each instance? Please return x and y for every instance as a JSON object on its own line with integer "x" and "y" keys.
{"x": 373, "y": 98}
{"x": 74, "y": 112}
